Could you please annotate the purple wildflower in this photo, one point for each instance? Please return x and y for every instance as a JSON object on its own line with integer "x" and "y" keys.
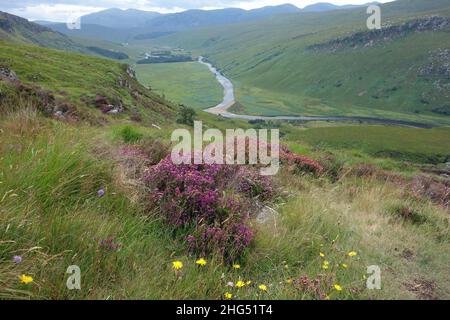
{"x": 17, "y": 259}
{"x": 108, "y": 244}
{"x": 101, "y": 193}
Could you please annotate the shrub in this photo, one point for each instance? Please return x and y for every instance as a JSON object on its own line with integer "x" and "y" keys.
{"x": 409, "y": 214}
{"x": 186, "y": 116}
{"x": 155, "y": 150}
{"x": 130, "y": 135}
{"x": 437, "y": 191}
{"x": 253, "y": 185}
{"x": 211, "y": 202}
{"x": 332, "y": 167}
{"x": 298, "y": 163}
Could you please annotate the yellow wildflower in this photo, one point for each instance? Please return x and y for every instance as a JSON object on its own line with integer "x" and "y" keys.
{"x": 345, "y": 266}
{"x": 325, "y": 265}
{"x": 322, "y": 254}
{"x": 236, "y": 266}
{"x": 201, "y": 262}
{"x": 240, "y": 284}
{"x": 289, "y": 281}
{"x": 25, "y": 279}
{"x": 337, "y": 287}
{"x": 352, "y": 254}
{"x": 228, "y": 296}
{"x": 262, "y": 287}
{"x": 177, "y": 265}
{"x": 248, "y": 283}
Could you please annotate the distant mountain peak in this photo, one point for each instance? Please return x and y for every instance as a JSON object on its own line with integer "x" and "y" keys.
{"x": 326, "y": 6}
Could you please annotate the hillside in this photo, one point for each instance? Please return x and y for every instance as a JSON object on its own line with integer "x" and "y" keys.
{"x": 119, "y": 19}
{"x": 88, "y": 88}
{"x": 19, "y": 30}
{"x": 276, "y": 72}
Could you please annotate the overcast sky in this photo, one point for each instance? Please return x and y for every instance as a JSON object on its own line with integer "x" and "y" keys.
{"x": 61, "y": 10}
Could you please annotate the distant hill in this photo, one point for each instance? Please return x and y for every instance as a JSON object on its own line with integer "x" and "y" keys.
{"x": 94, "y": 31}
{"x": 325, "y": 6}
{"x": 120, "y": 19}
{"x": 320, "y": 7}
{"x": 125, "y": 25}
{"x": 202, "y": 18}
{"x": 19, "y": 30}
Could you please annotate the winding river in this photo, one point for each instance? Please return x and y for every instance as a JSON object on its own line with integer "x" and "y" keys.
{"x": 222, "y": 109}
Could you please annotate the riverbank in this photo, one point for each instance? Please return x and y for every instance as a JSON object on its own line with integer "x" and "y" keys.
{"x": 222, "y": 109}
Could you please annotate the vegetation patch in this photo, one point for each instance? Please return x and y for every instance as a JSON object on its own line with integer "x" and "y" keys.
{"x": 409, "y": 214}
{"x": 109, "y": 53}
{"x": 130, "y": 135}
{"x": 211, "y": 203}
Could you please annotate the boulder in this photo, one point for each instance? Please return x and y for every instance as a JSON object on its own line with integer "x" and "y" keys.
{"x": 7, "y": 73}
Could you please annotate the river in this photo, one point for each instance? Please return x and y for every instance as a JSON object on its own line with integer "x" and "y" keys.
{"x": 222, "y": 109}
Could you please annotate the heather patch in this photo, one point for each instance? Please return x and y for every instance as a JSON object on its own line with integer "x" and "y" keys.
{"x": 211, "y": 203}
{"x": 300, "y": 164}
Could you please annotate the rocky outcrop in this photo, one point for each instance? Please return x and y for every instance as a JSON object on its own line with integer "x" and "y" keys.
{"x": 438, "y": 64}
{"x": 386, "y": 34}
{"x": 106, "y": 107}
{"x": 131, "y": 72}
{"x": 8, "y": 74}
{"x": 43, "y": 100}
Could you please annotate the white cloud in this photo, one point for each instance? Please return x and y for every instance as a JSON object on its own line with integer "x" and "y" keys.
{"x": 57, "y": 13}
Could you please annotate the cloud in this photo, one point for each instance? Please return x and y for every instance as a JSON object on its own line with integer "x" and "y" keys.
{"x": 60, "y": 10}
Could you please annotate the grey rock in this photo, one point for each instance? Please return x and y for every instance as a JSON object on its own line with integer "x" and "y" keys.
{"x": 7, "y": 73}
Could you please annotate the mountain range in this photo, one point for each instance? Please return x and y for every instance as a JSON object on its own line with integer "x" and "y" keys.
{"x": 127, "y": 25}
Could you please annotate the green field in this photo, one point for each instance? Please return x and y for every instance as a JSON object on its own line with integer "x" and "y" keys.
{"x": 188, "y": 83}
{"x": 417, "y": 145}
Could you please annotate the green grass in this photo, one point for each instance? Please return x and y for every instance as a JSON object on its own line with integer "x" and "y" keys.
{"x": 188, "y": 83}
{"x": 416, "y": 145}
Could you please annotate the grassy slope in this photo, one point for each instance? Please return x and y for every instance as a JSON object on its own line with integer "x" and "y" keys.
{"x": 188, "y": 83}
{"x": 19, "y": 30}
{"x": 275, "y": 75}
{"x": 52, "y": 216}
{"x": 78, "y": 78}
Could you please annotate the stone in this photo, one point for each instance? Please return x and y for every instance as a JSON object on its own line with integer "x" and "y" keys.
{"x": 7, "y": 73}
